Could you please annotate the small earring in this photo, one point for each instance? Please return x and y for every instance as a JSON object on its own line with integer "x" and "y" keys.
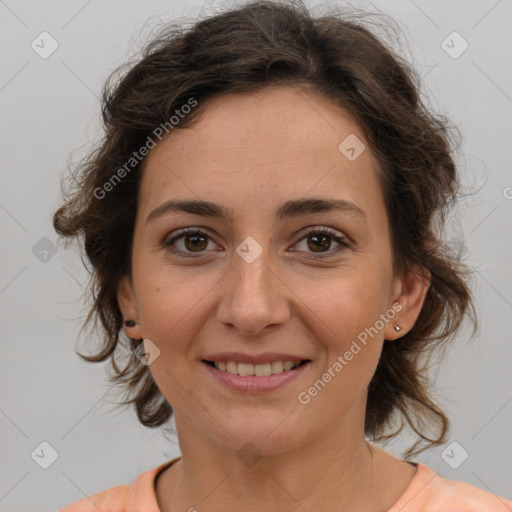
{"x": 130, "y": 323}
{"x": 397, "y": 327}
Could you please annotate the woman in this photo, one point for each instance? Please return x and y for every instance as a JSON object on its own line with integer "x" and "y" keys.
{"x": 261, "y": 223}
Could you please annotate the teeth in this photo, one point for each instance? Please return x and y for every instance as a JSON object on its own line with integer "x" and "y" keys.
{"x": 259, "y": 370}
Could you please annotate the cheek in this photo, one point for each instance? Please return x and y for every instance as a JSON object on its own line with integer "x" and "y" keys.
{"x": 172, "y": 316}
{"x": 343, "y": 314}
{"x": 171, "y": 303}
{"x": 343, "y": 323}
{"x": 344, "y": 303}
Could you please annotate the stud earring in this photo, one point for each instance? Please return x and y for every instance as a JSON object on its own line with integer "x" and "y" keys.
{"x": 397, "y": 328}
{"x": 130, "y": 323}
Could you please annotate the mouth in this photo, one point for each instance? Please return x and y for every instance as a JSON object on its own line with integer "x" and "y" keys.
{"x": 256, "y": 379}
{"x": 256, "y": 370}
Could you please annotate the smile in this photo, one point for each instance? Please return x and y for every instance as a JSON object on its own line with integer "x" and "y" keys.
{"x": 258, "y": 370}
{"x": 255, "y": 378}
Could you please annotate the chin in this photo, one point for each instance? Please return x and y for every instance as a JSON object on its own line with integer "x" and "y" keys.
{"x": 269, "y": 435}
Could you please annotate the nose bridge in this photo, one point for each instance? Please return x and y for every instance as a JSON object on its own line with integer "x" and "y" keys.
{"x": 251, "y": 299}
{"x": 252, "y": 275}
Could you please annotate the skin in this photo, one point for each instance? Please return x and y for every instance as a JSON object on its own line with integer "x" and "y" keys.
{"x": 250, "y": 153}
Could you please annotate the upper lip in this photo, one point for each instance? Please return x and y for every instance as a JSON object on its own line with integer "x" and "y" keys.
{"x": 265, "y": 357}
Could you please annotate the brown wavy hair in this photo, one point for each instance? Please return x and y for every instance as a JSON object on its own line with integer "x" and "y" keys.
{"x": 335, "y": 56}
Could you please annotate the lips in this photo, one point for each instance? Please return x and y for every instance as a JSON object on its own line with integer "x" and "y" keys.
{"x": 255, "y": 384}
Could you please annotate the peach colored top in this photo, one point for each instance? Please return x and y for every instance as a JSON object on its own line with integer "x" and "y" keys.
{"x": 427, "y": 492}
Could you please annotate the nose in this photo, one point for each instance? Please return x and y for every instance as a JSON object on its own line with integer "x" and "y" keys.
{"x": 254, "y": 298}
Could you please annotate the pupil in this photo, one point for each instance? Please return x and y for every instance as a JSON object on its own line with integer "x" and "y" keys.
{"x": 195, "y": 242}
{"x": 326, "y": 244}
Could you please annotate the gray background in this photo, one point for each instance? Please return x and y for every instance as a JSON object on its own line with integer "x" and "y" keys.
{"x": 49, "y": 108}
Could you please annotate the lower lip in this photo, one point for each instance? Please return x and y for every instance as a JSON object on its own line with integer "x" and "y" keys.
{"x": 253, "y": 384}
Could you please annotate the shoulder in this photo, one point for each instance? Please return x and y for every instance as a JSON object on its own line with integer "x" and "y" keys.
{"x": 138, "y": 495}
{"x": 431, "y": 493}
{"x": 108, "y": 500}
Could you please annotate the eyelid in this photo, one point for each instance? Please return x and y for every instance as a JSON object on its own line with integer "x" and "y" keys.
{"x": 183, "y": 231}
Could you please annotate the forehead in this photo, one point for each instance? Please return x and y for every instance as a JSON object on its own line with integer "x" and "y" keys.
{"x": 251, "y": 151}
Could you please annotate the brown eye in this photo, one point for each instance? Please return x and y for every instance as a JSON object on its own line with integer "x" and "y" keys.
{"x": 187, "y": 242}
{"x": 195, "y": 242}
{"x": 319, "y": 241}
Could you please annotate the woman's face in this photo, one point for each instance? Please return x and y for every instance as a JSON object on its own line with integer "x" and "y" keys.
{"x": 255, "y": 281}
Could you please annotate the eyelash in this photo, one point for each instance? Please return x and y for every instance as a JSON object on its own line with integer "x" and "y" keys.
{"x": 344, "y": 244}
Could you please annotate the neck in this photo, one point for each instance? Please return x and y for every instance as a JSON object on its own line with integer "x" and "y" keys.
{"x": 347, "y": 475}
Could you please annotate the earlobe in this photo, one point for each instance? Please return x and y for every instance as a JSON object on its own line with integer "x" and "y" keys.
{"x": 128, "y": 306}
{"x": 413, "y": 290}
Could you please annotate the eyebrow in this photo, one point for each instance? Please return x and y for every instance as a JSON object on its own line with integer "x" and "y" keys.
{"x": 292, "y": 208}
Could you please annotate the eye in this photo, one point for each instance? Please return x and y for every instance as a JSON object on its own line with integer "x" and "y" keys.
{"x": 193, "y": 242}
{"x": 319, "y": 241}
{"x": 189, "y": 241}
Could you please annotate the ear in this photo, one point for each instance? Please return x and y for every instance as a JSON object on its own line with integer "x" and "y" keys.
{"x": 128, "y": 307}
{"x": 410, "y": 292}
